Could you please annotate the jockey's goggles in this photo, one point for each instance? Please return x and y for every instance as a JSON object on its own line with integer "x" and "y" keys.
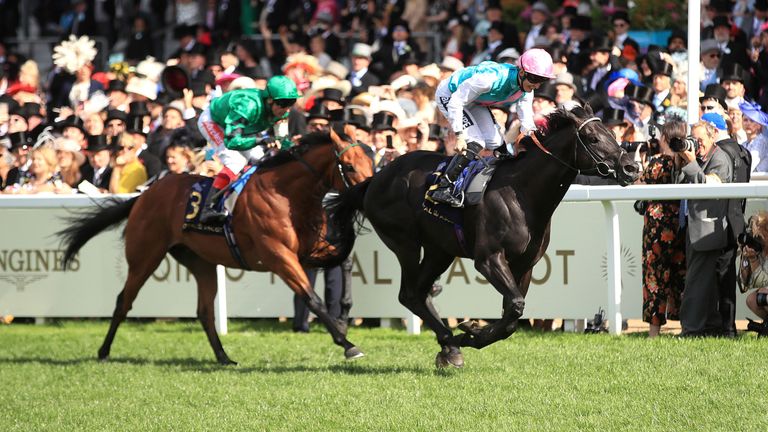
{"x": 285, "y": 103}
{"x": 535, "y": 79}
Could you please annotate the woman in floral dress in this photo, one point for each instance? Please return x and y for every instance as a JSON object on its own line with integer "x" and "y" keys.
{"x": 663, "y": 243}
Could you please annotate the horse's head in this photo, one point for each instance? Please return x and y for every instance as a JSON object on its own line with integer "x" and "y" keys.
{"x": 353, "y": 164}
{"x": 597, "y": 151}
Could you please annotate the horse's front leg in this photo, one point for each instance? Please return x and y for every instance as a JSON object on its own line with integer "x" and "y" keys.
{"x": 496, "y": 270}
{"x": 285, "y": 263}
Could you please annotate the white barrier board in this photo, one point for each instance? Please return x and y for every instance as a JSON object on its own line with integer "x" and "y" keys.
{"x": 569, "y": 282}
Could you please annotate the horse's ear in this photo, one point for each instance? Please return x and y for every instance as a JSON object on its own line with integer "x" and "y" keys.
{"x": 349, "y": 130}
{"x": 588, "y": 109}
{"x": 335, "y": 137}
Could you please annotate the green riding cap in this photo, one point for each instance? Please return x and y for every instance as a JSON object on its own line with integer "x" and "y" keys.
{"x": 282, "y": 87}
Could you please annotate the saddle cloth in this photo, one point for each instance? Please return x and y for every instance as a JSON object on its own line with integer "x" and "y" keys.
{"x": 198, "y": 195}
{"x": 472, "y": 181}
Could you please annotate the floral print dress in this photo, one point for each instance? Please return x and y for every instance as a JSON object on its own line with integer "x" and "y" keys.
{"x": 663, "y": 248}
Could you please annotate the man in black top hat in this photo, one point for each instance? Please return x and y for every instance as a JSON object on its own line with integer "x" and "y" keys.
{"x": 118, "y": 97}
{"x": 734, "y": 48}
{"x": 713, "y": 99}
{"x": 544, "y": 99}
{"x": 331, "y": 98}
{"x": 115, "y": 123}
{"x": 753, "y": 21}
{"x": 21, "y": 145}
{"x": 621, "y": 25}
{"x": 603, "y": 62}
{"x": 733, "y": 79}
{"x": 318, "y": 119}
{"x": 98, "y": 170}
{"x": 35, "y": 119}
{"x": 389, "y": 58}
{"x": 151, "y": 163}
{"x": 17, "y": 119}
{"x": 579, "y": 44}
{"x": 662, "y": 84}
{"x": 495, "y": 41}
{"x": 613, "y": 119}
{"x": 640, "y": 108}
{"x": 73, "y": 128}
{"x": 385, "y": 138}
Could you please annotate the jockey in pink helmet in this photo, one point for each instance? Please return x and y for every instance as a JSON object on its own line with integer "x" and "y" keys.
{"x": 464, "y": 98}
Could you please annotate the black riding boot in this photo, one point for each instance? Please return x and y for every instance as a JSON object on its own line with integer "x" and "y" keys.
{"x": 442, "y": 192}
{"x": 209, "y": 214}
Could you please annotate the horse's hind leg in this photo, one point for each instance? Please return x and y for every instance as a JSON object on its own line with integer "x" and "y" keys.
{"x": 205, "y": 275}
{"x": 415, "y": 285}
{"x": 141, "y": 263}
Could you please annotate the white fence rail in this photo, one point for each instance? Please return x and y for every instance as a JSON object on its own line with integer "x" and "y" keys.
{"x": 586, "y": 256}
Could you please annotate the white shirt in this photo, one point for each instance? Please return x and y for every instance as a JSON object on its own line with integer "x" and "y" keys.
{"x": 532, "y": 35}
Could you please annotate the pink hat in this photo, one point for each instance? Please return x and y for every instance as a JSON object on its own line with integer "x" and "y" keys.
{"x": 538, "y": 62}
{"x": 227, "y": 78}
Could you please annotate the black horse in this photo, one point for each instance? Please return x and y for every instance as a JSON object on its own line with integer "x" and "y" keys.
{"x": 505, "y": 234}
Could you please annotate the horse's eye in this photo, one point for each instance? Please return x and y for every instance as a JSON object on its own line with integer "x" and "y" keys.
{"x": 593, "y": 140}
{"x": 348, "y": 168}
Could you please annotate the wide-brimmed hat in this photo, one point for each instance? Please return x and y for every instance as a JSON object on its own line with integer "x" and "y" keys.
{"x": 613, "y": 117}
{"x": 361, "y": 50}
{"x": 66, "y": 144}
{"x": 717, "y": 92}
{"x": 451, "y": 63}
{"x": 143, "y": 87}
{"x": 509, "y": 53}
{"x": 337, "y": 69}
{"x": 708, "y": 45}
{"x": 753, "y": 112}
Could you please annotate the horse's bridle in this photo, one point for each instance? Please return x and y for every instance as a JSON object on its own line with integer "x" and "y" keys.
{"x": 601, "y": 167}
{"x": 343, "y": 169}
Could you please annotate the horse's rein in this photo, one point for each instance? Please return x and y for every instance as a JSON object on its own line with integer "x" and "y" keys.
{"x": 598, "y": 165}
{"x": 338, "y": 165}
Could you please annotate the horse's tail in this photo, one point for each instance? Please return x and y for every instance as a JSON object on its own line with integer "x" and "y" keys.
{"x": 344, "y": 223}
{"x": 83, "y": 227}
{"x": 345, "y": 210}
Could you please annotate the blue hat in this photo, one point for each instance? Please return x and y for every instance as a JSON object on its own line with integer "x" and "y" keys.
{"x": 715, "y": 120}
{"x": 754, "y": 113}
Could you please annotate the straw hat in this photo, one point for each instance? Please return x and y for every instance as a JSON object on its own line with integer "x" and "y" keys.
{"x": 66, "y": 144}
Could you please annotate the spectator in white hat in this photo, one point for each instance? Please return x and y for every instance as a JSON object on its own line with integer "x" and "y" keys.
{"x": 360, "y": 77}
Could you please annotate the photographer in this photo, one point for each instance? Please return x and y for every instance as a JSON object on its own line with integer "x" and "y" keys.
{"x": 706, "y": 225}
{"x": 753, "y": 269}
{"x": 663, "y": 246}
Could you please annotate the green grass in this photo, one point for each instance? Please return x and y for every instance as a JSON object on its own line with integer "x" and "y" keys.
{"x": 162, "y": 376}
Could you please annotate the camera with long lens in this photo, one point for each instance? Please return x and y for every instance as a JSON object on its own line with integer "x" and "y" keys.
{"x": 751, "y": 241}
{"x": 689, "y": 143}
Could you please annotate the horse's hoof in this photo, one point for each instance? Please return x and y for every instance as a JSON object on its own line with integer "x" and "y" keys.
{"x": 353, "y": 353}
{"x": 226, "y": 361}
{"x": 103, "y": 359}
{"x": 452, "y": 358}
{"x": 103, "y": 356}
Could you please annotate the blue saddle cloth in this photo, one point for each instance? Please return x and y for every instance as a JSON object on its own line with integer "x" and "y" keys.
{"x": 198, "y": 195}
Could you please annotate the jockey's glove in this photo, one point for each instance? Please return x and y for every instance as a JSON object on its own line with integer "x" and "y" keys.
{"x": 461, "y": 142}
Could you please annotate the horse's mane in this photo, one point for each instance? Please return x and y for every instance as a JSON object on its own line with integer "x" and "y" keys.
{"x": 562, "y": 118}
{"x": 305, "y": 143}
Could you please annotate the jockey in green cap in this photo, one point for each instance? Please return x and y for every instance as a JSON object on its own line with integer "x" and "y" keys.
{"x": 234, "y": 126}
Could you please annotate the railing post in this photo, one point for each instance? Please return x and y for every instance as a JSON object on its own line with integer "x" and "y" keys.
{"x": 220, "y": 304}
{"x": 614, "y": 267}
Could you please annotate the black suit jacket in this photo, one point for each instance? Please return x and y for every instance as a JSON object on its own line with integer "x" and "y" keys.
{"x": 367, "y": 80}
{"x": 151, "y": 163}
{"x": 735, "y": 206}
{"x": 87, "y": 174}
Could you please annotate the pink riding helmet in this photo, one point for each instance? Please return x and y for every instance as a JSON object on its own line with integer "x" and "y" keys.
{"x": 536, "y": 61}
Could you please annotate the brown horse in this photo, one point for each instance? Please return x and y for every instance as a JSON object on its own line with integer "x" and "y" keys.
{"x": 277, "y": 222}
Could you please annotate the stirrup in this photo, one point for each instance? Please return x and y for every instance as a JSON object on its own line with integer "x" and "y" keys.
{"x": 443, "y": 195}
{"x": 212, "y": 216}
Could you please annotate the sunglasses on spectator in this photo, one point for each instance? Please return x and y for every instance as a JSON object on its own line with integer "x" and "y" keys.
{"x": 708, "y": 107}
{"x": 714, "y": 55}
{"x": 535, "y": 79}
{"x": 285, "y": 103}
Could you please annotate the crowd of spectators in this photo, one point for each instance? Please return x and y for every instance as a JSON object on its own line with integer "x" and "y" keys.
{"x": 80, "y": 128}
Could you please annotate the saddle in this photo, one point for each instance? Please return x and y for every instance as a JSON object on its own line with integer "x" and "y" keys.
{"x": 472, "y": 183}
{"x": 200, "y": 190}
{"x": 226, "y": 201}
